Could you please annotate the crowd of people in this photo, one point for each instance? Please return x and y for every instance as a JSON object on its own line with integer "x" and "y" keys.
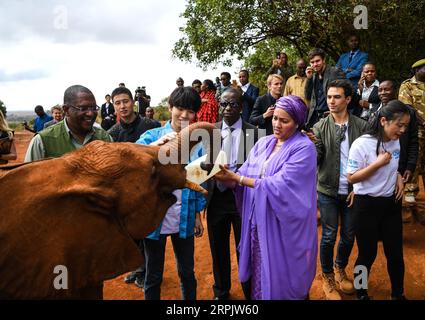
{"x": 329, "y": 136}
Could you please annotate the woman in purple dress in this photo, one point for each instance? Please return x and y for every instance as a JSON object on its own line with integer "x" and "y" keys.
{"x": 276, "y": 195}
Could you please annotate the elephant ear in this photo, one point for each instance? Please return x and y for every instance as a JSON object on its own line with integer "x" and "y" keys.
{"x": 81, "y": 233}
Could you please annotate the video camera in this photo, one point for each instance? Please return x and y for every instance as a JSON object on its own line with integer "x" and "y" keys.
{"x": 141, "y": 91}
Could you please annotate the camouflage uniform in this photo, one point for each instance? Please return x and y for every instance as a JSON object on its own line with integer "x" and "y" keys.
{"x": 412, "y": 92}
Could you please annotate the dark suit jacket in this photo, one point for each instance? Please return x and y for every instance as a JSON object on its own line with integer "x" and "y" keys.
{"x": 261, "y": 106}
{"x": 249, "y": 98}
{"x": 330, "y": 73}
{"x": 110, "y": 110}
{"x": 249, "y": 132}
{"x": 373, "y": 99}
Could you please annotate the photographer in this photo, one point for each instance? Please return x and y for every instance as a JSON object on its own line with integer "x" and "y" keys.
{"x": 281, "y": 67}
{"x": 143, "y": 101}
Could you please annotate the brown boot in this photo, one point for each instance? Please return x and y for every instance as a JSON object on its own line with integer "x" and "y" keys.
{"x": 345, "y": 284}
{"x": 329, "y": 286}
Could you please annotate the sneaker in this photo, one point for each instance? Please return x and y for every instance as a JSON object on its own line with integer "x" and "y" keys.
{"x": 345, "y": 284}
{"x": 409, "y": 198}
{"x": 131, "y": 277}
{"x": 329, "y": 286}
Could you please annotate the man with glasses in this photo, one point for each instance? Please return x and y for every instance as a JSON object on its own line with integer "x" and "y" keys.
{"x": 238, "y": 137}
{"x": 75, "y": 131}
{"x": 333, "y": 137}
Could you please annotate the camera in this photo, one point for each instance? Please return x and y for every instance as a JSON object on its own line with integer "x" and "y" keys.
{"x": 141, "y": 91}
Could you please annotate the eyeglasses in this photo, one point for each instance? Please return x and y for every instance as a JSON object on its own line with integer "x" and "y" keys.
{"x": 224, "y": 104}
{"x": 86, "y": 108}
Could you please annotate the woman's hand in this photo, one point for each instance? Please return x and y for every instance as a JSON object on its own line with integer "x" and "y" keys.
{"x": 350, "y": 199}
{"x": 399, "y": 187}
{"x": 164, "y": 139}
{"x": 227, "y": 177}
{"x": 199, "y": 227}
{"x": 383, "y": 159}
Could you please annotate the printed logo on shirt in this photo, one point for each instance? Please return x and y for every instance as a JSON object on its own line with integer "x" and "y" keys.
{"x": 353, "y": 164}
{"x": 396, "y": 154}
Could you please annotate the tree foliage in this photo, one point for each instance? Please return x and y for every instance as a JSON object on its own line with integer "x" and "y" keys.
{"x": 216, "y": 30}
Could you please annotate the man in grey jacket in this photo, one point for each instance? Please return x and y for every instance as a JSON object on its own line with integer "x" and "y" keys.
{"x": 319, "y": 75}
{"x": 333, "y": 138}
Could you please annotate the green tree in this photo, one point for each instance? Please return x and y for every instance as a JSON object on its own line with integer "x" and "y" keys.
{"x": 216, "y": 30}
{"x": 3, "y": 108}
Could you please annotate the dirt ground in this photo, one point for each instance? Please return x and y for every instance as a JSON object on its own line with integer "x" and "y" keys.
{"x": 379, "y": 285}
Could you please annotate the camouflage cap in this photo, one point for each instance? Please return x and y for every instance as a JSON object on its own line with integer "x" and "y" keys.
{"x": 418, "y": 63}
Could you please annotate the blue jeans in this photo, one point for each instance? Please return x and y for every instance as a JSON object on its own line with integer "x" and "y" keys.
{"x": 330, "y": 210}
{"x": 155, "y": 254}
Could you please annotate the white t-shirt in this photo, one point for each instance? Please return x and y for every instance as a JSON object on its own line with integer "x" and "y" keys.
{"x": 362, "y": 154}
{"x": 345, "y": 147}
{"x": 171, "y": 222}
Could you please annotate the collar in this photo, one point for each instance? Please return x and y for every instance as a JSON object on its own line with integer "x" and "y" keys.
{"x": 245, "y": 87}
{"x": 374, "y": 84}
{"x": 236, "y": 125}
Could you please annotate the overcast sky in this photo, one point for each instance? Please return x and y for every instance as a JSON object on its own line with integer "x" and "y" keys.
{"x": 49, "y": 45}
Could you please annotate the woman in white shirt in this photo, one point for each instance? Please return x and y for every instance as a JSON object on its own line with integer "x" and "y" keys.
{"x": 378, "y": 188}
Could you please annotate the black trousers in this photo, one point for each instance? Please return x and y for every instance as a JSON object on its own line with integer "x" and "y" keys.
{"x": 222, "y": 215}
{"x": 379, "y": 218}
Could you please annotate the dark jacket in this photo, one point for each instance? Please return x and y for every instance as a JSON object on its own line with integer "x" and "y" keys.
{"x": 330, "y": 73}
{"x": 131, "y": 132}
{"x": 247, "y": 141}
{"x": 109, "y": 111}
{"x": 249, "y": 98}
{"x": 329, "y": 152}
{"x": 261, "y": 106}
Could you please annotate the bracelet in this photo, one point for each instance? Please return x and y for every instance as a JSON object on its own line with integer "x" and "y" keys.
{"x": 241, "y": 180}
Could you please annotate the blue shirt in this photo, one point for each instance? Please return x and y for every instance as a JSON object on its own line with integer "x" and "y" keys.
{"x": 191, "y": 201}
{"x": 40, "y": 121}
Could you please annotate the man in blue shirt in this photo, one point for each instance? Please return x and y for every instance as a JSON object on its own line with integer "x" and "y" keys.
{"x": 41, "y": 119}
{"x": 182, "y": 221}
{"x": 352, "y": 62}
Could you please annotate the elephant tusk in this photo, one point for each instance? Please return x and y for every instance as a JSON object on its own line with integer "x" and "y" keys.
{"x": 195, "y": 187}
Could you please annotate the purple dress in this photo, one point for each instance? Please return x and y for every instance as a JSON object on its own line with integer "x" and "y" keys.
{"x": 278, "y": 246}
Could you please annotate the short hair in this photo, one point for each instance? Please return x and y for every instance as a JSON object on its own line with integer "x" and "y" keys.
{"x": 273, "y": 76}
{"x": 38, "y": 108}
{"x": 186, "y": 98}
{"x": 149, "y": 108}
{"x": 71, "y": 93}
{"x": 210, "y": 85}
{"x": 316, "y": 52}
{"x": 121, "y": 84}
{"x": 226, "y": 74}
{"x": 393, "y": 85}
{"x": 353, "y": 34}
{"x": 235, "y": 91}
{"x": 57, "y": 107}
{"x": 108, "y": 95}
{"x": 370, "y": 63}
{"x": 196, "y": 81}
{"x": 344, "y": 84}
{"x": 121, "y": 90}
{"x": 245, "y": 71}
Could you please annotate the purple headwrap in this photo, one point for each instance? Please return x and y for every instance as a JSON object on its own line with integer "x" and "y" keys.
{"x": 295, "y": 107}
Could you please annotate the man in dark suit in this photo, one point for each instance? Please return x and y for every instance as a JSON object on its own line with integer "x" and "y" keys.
{"x": 264, "y": 106}
{"x": 352, "y": 62}
{"x": 319, "y": 75}
{"x": 238, "y": 137}
{"x": 249, "y": 93}
{"x": 107, "y": 112}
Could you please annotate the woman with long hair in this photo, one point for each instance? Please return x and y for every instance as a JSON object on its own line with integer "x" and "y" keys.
{"x": 6, "y": 139}
{"x": 378, "y": 187}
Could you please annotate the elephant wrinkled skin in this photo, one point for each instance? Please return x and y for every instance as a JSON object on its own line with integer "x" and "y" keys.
{"x": 82, "y": 211}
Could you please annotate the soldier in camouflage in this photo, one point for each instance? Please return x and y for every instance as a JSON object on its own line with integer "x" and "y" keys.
{"x": 412, "y": 92}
